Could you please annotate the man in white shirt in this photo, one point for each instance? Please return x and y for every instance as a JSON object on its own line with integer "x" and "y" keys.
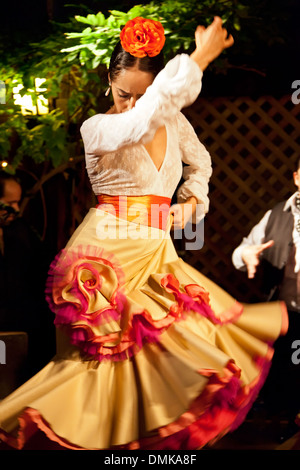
{"x": 273, "y": 248}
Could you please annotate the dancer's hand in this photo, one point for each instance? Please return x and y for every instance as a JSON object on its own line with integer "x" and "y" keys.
{"x": 251, "y": 254}
{"x": 210, "y": 42}
{"x": 182, "y": 213}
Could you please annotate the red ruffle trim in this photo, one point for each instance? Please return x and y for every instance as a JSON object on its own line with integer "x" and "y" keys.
{"x": 81, "y": 272}
{"x": 220, "y": 408}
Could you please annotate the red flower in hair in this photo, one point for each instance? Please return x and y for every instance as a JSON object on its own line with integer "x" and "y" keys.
{"x": 141, "y": 37}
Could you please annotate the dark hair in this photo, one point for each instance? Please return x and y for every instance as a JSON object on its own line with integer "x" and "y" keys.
{"x": 6, "y": 177}
{"x": 120, "y": 60}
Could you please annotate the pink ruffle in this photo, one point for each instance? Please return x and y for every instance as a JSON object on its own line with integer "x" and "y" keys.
{"x": 196, "y": 298}
{"x": 67, "y": 272}
{"x": 79, "y": 273}
{"x": 141, "y": 329}
{"x": 220, "y": 408}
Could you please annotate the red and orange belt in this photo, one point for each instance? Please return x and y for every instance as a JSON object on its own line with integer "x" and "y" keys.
{"x": 146, "y": 210}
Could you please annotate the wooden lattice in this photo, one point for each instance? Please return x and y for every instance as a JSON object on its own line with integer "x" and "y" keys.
{"x": 254, "y": 144}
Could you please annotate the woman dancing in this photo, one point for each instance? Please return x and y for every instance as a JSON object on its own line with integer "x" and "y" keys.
{"x": 150, "y": 353}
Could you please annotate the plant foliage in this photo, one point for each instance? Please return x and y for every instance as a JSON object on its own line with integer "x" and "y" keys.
{"x": 74, "y": 60}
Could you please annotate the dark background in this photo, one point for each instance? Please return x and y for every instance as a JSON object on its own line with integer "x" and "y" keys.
{"x": 256, "y": 67}
{"x": 259, "y": 67}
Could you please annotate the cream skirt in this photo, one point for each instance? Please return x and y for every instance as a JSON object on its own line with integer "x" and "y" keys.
{"x": 150, "y": 353}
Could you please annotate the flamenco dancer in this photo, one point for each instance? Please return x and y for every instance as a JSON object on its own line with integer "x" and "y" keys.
{"x": 150, "y": 353}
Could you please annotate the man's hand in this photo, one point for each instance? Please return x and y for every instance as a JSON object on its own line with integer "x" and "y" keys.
{"x": 251, "y": 255}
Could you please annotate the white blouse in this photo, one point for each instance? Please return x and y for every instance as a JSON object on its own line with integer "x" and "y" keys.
{"x": 117, "y": 161}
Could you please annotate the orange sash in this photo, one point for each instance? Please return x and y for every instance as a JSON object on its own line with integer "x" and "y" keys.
{"x": 146, "y": 210}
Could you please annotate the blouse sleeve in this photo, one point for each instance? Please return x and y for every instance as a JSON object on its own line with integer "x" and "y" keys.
{"x": 198, "y": 168}
{"x": 175, "y": 87}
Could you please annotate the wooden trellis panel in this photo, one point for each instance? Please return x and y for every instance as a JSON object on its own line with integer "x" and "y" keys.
{"x": 254, "y": 145}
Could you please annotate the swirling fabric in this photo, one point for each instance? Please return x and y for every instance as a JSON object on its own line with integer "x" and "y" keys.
{"x": 150, "y": 353}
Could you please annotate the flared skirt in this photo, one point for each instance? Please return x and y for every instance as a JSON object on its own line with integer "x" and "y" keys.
{"x": 151, "y": 354}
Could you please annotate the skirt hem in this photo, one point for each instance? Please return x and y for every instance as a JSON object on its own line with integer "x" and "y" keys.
{"x": 221, "y": 408}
